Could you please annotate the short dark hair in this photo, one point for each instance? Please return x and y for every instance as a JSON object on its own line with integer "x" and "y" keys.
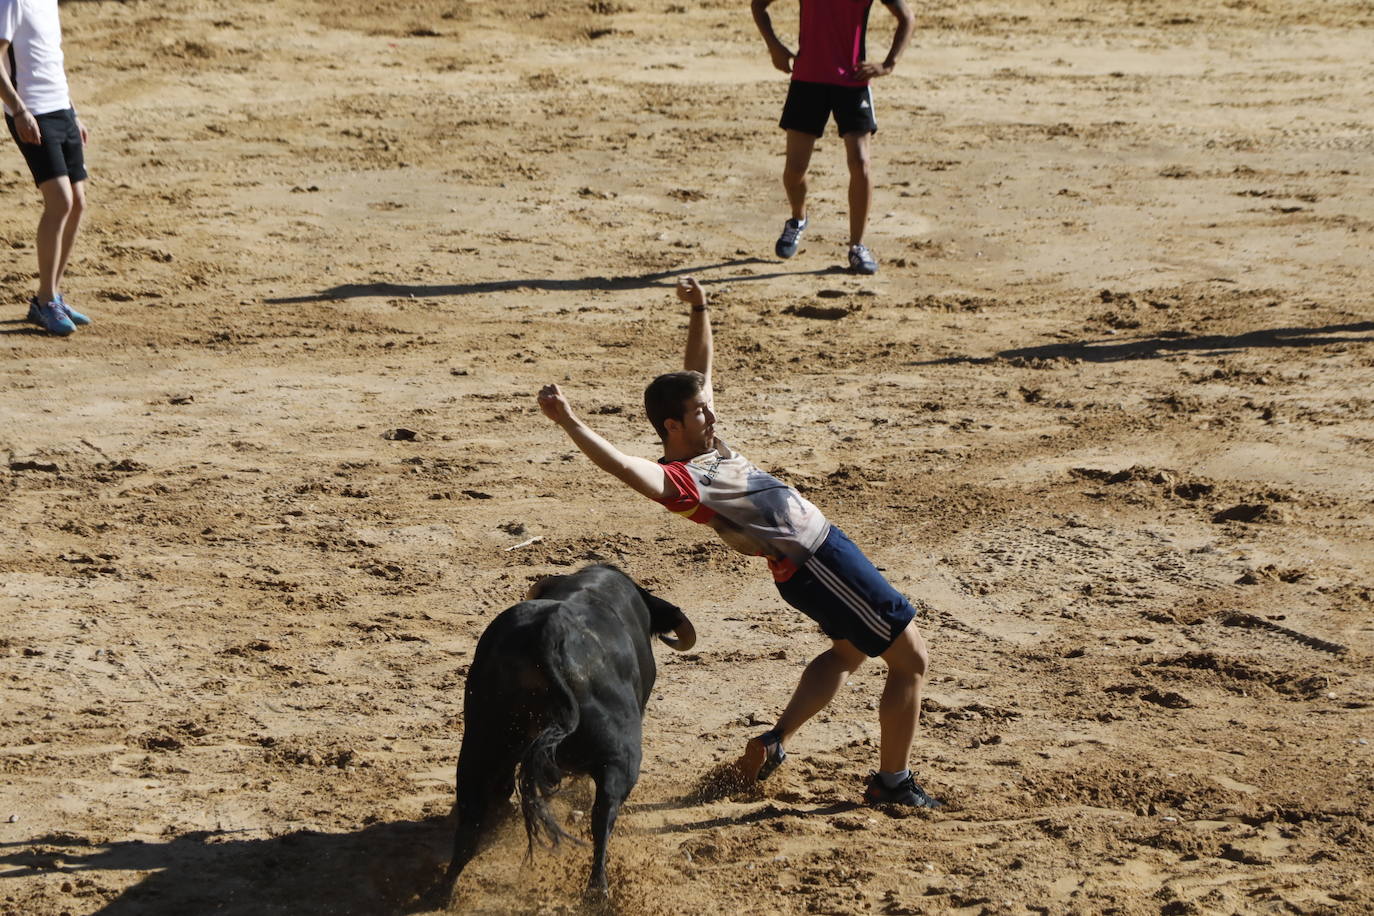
{"x": 664, "y": 397}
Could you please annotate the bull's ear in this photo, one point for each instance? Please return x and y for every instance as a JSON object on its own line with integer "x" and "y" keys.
{"x": 540, "y": 586}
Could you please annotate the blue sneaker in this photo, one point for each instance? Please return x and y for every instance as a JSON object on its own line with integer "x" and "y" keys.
{"x": 791, "y": 234}
{"x": 762, "y": 755}
{"x": 51, "y": 317}
{"x": 75, "y": 316}
{"x": 861, "y": 260}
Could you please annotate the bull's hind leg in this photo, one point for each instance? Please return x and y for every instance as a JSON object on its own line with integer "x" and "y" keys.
{"x": 613, "y": 785}
{"x": 484, "y": 789}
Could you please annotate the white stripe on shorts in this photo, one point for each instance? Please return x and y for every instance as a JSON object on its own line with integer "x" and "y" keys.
{"x": 865, "y": 612}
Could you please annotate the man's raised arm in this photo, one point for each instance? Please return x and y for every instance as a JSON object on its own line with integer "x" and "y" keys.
{"x": 640, "y": 474}
{"x": 700, "y": 348}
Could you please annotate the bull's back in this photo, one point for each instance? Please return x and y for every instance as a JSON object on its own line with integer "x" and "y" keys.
{"x": 587, "y": 649}
{"x": 604, "y": 619}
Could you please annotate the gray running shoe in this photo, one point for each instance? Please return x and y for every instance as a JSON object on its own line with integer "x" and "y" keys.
{"x": 791, "y": 235}
{"x": 861, "y": 260}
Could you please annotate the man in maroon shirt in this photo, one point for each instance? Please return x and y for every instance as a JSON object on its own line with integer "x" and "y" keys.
{"x": 830, "y": 76}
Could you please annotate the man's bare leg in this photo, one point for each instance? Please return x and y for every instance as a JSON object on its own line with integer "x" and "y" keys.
{"x": 898, "y": 711}
{"x": 900, "y": 708}
{"x": 69, "y": 231}
{"x": 798, "y": 160}
{"x": 860, "y": 184}
{"x": 57, "y": 207}
{"x": 819, "y": 683}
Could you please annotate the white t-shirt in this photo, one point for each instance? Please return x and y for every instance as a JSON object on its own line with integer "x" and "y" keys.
{"x": 35, "y": 35}
{"x": 724, "y": 489}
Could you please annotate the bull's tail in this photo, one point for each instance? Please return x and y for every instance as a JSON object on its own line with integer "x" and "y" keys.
{"x": 539, "y": 773}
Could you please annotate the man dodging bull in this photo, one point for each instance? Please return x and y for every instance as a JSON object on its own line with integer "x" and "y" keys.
{"x": 816, "y": 568}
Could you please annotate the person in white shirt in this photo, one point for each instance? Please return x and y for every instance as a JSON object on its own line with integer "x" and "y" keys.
{"x": 817, "y": 569}
{"x": 40, "y": 116}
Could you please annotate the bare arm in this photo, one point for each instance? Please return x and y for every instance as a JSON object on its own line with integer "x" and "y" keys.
{"x": 639, "y": 474}
{"x": 905, "y": 23}
{"x": 782, "y": 57}
{"x": 700, "y": 347}
{"x": 24, "y": 121}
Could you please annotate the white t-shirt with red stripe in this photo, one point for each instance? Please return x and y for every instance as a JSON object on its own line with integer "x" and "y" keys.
{"x": 750, "y": 509}
{"x": 34, "y": 61}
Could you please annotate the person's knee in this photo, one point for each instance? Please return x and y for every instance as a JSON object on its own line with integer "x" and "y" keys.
{"x": 908, "y": 655}
{"x": 793, "y": 177}
{"x": 58, "y": 208}
{"x": 921, "y": 660}
{"x": 844, "y": 658}
{"x": 78, "y": 203}
{"x": 58, "y": 201}
{"x": 856, "y": 150}
{"x": 859, "y": 164}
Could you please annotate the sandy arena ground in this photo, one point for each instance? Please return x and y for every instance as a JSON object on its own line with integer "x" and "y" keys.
{"x": 1107, "y": 412}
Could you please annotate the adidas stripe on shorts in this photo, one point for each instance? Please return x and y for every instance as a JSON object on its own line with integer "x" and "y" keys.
{"x": 840, "y": 589}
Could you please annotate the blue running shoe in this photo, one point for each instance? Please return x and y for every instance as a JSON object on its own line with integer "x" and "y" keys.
{"x": 50, "y": 317}
{"x": 861, "y": 260}
{"x": 791, "y": 235}
{"x": 762, "y": 755}
{"x": 75, "y": 316}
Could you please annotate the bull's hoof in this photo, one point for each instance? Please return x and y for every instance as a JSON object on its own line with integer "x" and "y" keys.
{"x": 597, "y": 898}
{"x": 441, "y": 895}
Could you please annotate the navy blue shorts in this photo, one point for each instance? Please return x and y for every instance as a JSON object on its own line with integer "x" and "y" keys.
{"x": 843, "y": 592}
{"x": 60, "y": 152}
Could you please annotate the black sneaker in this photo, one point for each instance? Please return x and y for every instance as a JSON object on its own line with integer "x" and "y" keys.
{"x": 906, "y": 793}
{"x": 762, "y": 755}
{"x": 791, "y": 235}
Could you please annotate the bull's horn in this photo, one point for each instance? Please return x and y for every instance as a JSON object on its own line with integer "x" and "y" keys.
{"x": 683, "y": 638}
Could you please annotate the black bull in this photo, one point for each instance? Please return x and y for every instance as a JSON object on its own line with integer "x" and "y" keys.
{"x": 558, "y": 685}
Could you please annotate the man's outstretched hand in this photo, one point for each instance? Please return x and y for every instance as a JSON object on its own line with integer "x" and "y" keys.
{"x": 689, "y": 290}
{"x": 554, "y": 405}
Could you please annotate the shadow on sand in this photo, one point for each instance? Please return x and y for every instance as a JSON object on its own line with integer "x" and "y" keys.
{"x": 663, "y": 278}
{"x": 21, "y": 326}
{"x": 385, "y": 869}
{"x": 379, "y": 870}
{"x": 1115, "y": 350}
{"x": 768, "y": 812}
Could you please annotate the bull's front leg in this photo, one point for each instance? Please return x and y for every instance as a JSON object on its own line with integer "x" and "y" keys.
{"x": 613, "y": 786}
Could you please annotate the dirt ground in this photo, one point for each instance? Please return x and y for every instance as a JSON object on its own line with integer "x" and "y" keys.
{"x": 1107, "y": 413}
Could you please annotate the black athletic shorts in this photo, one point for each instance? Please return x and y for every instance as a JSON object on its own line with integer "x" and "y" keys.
{"x": 809, "y": 105}
{"x": 60, "y": 151}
